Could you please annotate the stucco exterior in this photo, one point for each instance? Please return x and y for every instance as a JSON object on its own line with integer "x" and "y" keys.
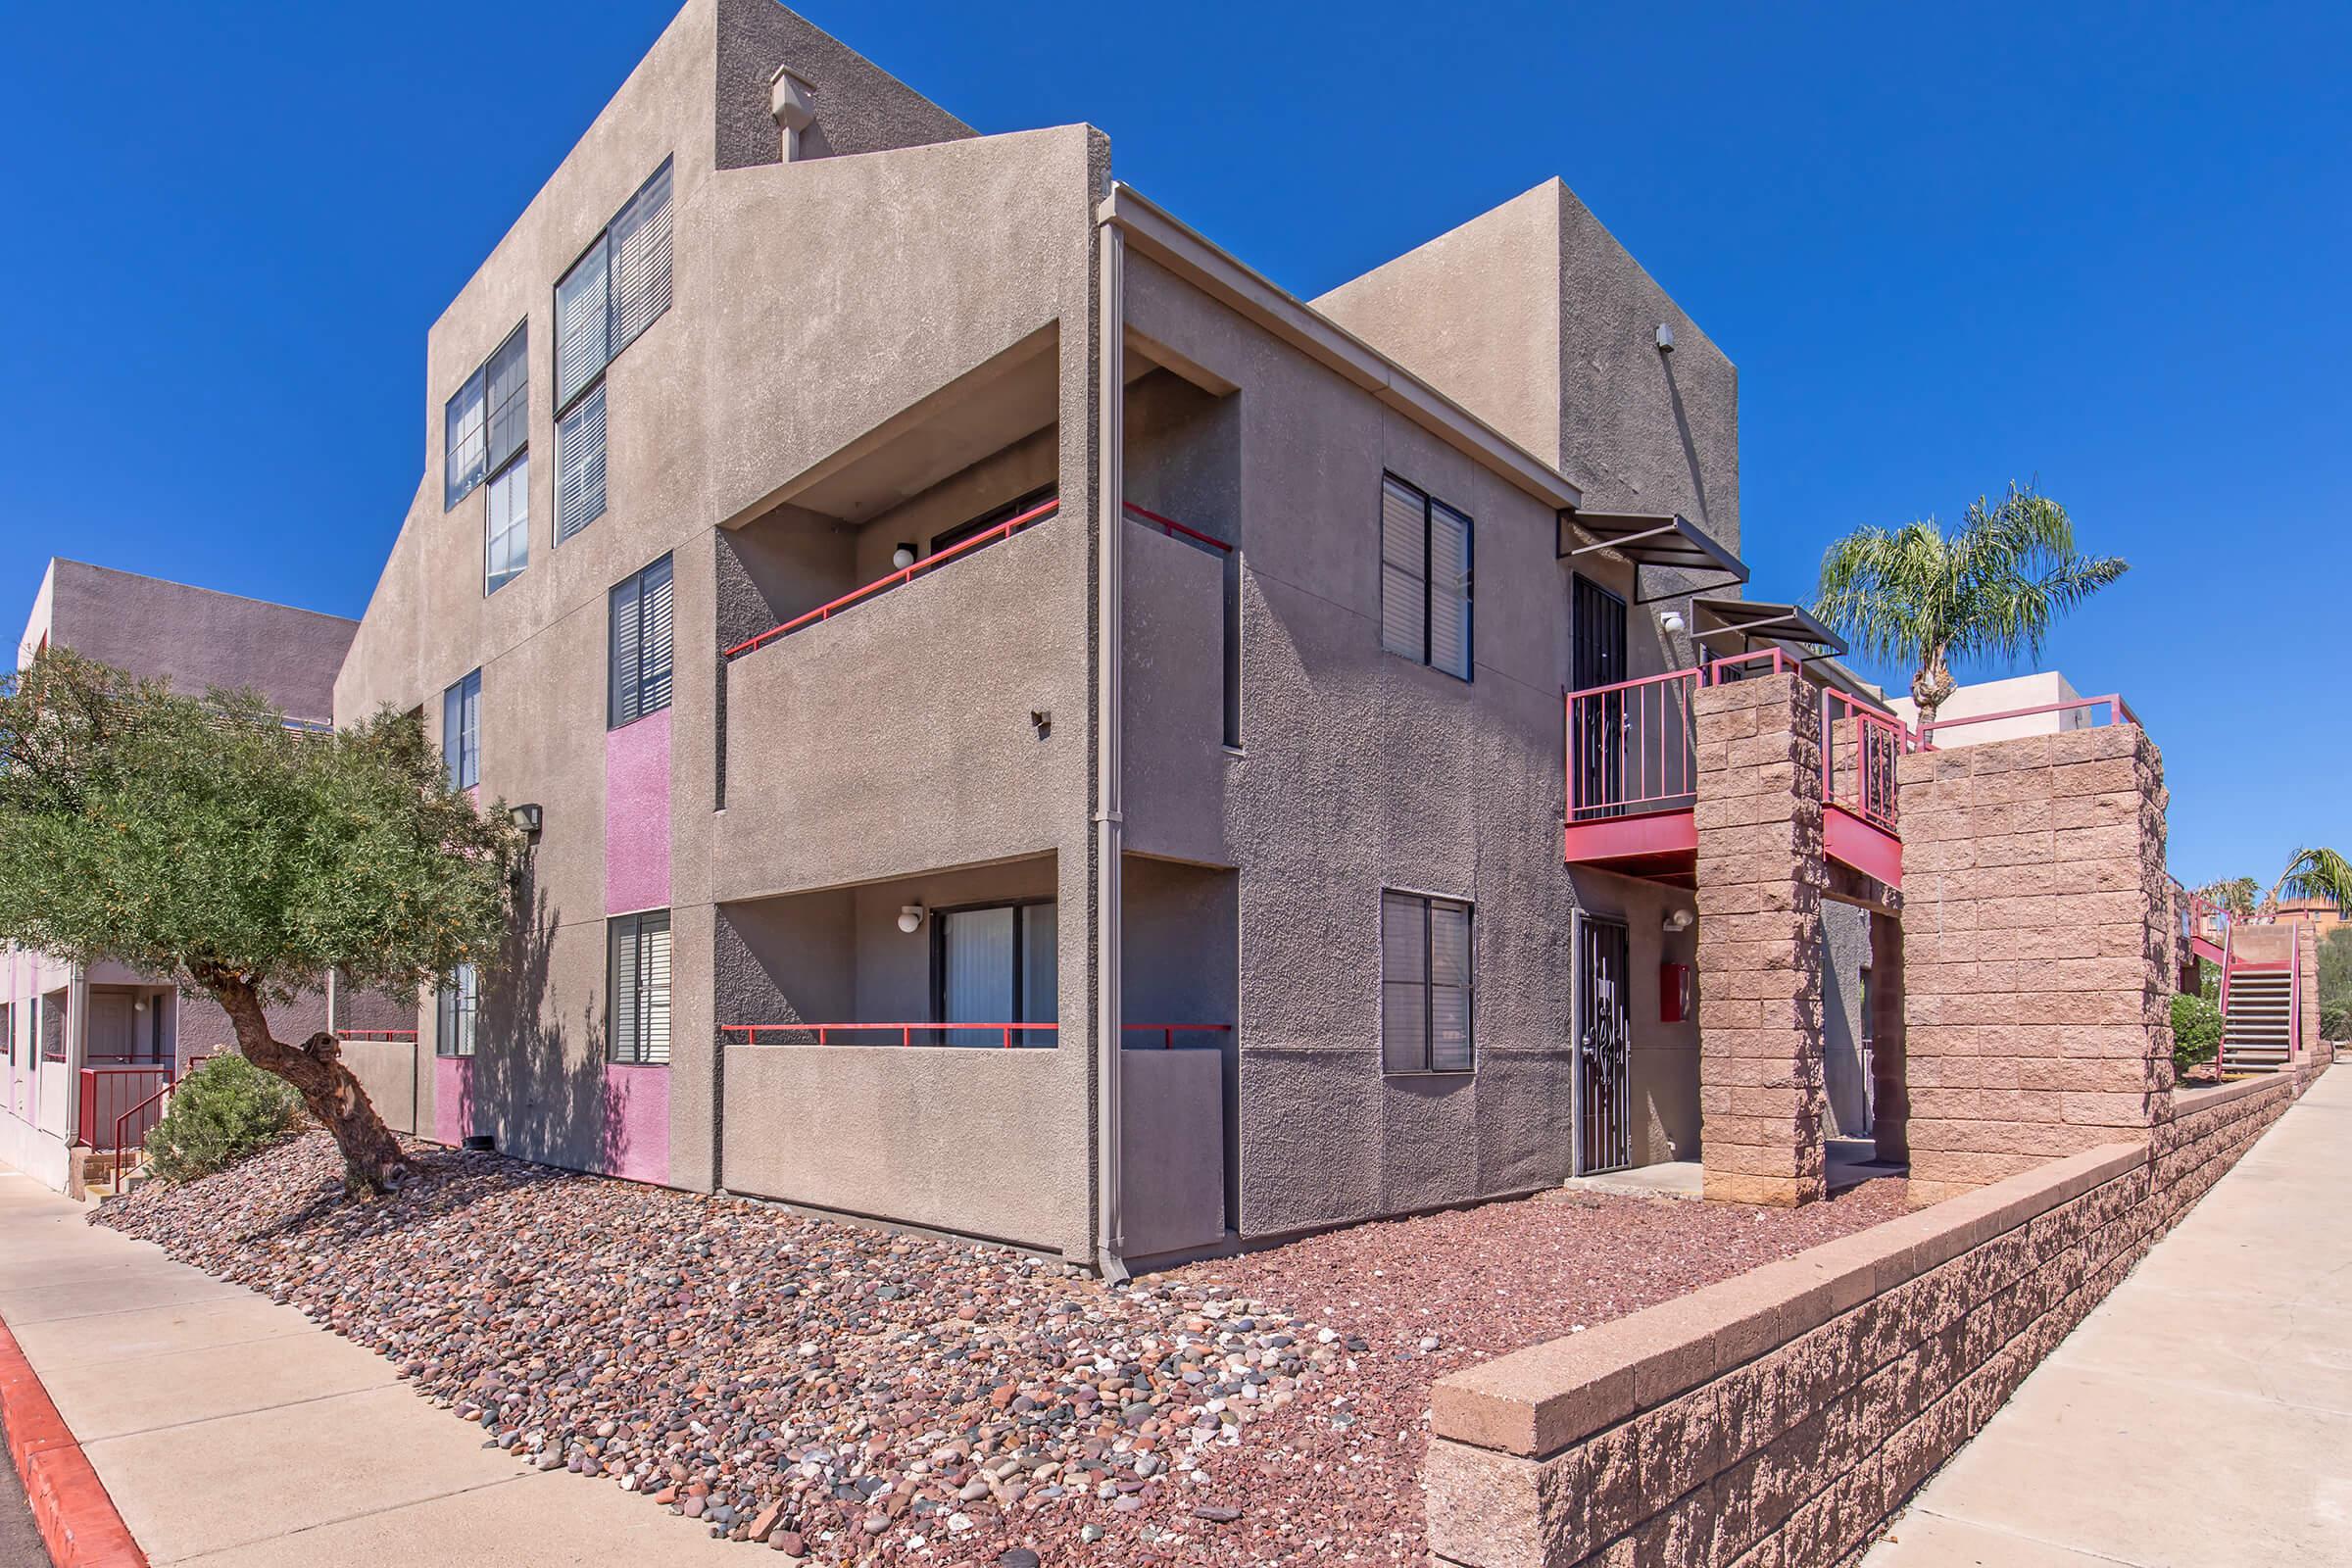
{"x": 1099, "y": 707}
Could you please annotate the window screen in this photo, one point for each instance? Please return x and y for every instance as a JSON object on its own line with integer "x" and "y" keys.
{"x": 454, "y": 1019}
{"x": 640, "y": 979}
{"x": 1425, "y": 987}
{"x": 640, "y": 640}
{"x": 462, "y": 731}
{"x": 507, "y": 525}
{"x": 1425, "y": 579}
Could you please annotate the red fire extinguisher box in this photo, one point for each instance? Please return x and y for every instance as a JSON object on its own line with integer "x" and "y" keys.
{"x": 1674, "y": 993}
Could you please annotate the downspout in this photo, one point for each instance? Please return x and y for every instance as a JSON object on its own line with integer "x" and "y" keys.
{"x": 1109, "y": 829}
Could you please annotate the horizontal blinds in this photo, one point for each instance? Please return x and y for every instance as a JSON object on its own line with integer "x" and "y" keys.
{"x": 640, "y": 986}
{"x": 1404, "y": 983}
{"x": 507, "y": 525}
{"x": 1448, "y": 988}
{"x": 584, "y": 322}
{"x": 624, "y": 641}
{"x": 654, "y": 659}
{"x": 461, "y": 441}
{"x": 641, "y": 259}
{"x": 1403, "y": 568}
{"x": 1449, "y": 590}
{"x": 580, "y": 465}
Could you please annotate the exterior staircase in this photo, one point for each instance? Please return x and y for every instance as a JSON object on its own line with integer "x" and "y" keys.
{"x": 2257, "y": 1021}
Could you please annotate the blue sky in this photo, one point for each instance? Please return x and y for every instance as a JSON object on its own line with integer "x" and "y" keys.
{"x": 2101, "y": 246}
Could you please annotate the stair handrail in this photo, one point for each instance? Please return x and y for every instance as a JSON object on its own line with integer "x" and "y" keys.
{"x": 2294, "y": 1001}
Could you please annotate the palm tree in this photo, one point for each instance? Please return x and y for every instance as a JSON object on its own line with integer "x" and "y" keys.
{"x": 1989, "y": 591}
{"x": 2319, "y": 874}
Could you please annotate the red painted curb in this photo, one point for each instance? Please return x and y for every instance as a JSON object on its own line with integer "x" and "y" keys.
{"x": 77, "y": 1519}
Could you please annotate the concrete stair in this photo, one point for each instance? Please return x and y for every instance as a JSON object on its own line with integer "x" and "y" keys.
{"x": 2258, "y": 1029}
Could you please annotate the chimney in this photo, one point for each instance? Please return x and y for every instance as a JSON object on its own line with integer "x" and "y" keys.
{"x": 793, "y": 101}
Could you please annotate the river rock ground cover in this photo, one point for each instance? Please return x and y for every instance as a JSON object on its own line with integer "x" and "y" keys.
{"x": 842, "y": 1393}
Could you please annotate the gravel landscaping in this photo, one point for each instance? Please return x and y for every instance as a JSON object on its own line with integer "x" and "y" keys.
{"x": 843, "y": 1394}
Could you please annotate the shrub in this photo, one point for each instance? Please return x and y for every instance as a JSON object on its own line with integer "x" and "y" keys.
{"x": 2196, "y": 1031}
{"x": 2335, "y": 1019}
{"x": 220, "y": 1113}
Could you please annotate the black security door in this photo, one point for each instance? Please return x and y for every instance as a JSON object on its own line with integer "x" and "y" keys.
{"x": 1604, "y": 1050}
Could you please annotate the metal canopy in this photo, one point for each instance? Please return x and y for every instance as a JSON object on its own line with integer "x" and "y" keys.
{"x": 1756, "y": 624}
{"x": 1648, "y": 540}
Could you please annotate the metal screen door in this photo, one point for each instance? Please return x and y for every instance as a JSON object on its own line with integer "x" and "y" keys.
{"x": 1604, "y": 1051}
{"x": 1596, "y": 637}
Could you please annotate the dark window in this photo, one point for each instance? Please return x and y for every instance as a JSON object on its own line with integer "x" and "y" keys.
{"x": 487, "y": 421}
{"x": 7, "y": 1033}
{"x": 640, "y": 643}
{"x": 639, "y": 946}
{"x": 618, "y": 288}
{"x": 1425, "y": 559}
{"x": 1424, "y": 984}
{"x": 462, "y": 731}
{"x": 996, "y": 964}
{"x": 454, "y": 1016}
{"x": 950, "y": 538}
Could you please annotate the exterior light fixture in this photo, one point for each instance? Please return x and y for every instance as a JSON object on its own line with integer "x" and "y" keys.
{"x": 911, "y": 918}
{"x": 528, "y": 816}
{"x": 793, "y": 102}
{"x": 903, "y": 556}
{"x": 1679, "y": 920}
{"x": 1672, "y": 620}
{"x": 1665, "y": 337}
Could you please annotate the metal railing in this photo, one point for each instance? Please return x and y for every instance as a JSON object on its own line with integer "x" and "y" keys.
{"x": 381, "y": 1036}
{"x": 1007, "y": 1033}
{"x": 1859, "y": 752}
{"x": 1629, "y": 746}
{"x": 2118, "y": 712}
{"x": 107, "y": 1091}
{"x": 1175, "y": 529}
{"x": 904, "y": 574}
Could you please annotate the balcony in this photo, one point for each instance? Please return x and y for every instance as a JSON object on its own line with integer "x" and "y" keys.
{"x": 1632, "y": 782}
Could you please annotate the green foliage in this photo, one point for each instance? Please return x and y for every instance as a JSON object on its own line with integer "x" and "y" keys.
{"x": 2234, "y": 895}
{"x": 2336, "y": 1020}
{"x": 2335, "y": 968}
{"x": 2196, "y": 1031}
{"x": 205, "y": 839}
{"x": 220, "y": 1113}
{"x": 1990, "y": 590}
{"x": 2319, "y": 874}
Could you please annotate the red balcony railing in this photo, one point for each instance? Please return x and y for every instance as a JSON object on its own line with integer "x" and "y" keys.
{"x": 1630, "y": 747}
{"x": 904, "y": 574}
{"x": 1010, "y": 1035}
{"x": 2118, "y": 711}
{"x": 109, "y": 1095}
{"x": 1860, "y": 747}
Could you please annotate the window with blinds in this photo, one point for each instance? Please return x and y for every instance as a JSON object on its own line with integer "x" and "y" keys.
{"x": 639, "y": 640}
{"x": 507, "y": 525}
{"x": 487, "y": 420}
{"x": 1425, "y": 988}
{"x": 618, "y": 288}
{"x": 996, "y": 964}
{"x": 640, "y": 986}
{"x": 462, "y": 731}
{"x": 581, "y": 465}
{"x": 1424, "y": 572}
{"x": 453, "y": 1017}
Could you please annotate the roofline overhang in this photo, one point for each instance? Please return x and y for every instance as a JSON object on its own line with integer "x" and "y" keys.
{"x": 1152, "y": 231}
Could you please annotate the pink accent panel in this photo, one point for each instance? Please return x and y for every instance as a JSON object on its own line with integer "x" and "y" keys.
{"x": 637, "y": 816}
{"x": 637, "y": 1112}
{"x": 453, "y": 1098}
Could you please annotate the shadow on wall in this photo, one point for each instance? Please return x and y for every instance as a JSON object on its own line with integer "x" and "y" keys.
{"x": 539, "y": 1088}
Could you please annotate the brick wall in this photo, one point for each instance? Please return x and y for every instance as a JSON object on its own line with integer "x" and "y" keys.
{"x": 1780, "y": 1417}
{"x": 2037, "y": 952}
{"x": 1760, "y": 941}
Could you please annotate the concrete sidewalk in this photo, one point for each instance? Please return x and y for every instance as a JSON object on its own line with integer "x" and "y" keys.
{"x": 2202, "y": 1414}
{"x": 230, "y": 1429}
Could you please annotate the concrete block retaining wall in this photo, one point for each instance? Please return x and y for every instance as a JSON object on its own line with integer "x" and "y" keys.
{"x": 1780, "y": 1417}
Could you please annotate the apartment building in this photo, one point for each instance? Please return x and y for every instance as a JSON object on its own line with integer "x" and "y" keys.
{"x": 1028, "y": 728}
{"x": 84, "y": 1048}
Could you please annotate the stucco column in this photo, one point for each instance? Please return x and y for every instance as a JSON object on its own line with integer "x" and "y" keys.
{"x": 1760, "y": 941}
{"x": 1891, "y": 1079}
{"x": 2037, "y": 952}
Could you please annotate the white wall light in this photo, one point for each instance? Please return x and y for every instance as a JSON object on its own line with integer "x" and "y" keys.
{"x": 903, "y": 556}
{"x": 911, "y": 918}
{"x": 1672, "y": 620}
{"x": 1679, "y": 920}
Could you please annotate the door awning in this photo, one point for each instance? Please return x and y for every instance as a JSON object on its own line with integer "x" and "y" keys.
{"x": 1727, "y": 627}
{"x": 1669, "y": 540}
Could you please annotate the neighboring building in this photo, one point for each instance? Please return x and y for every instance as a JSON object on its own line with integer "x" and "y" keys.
{"x": 84, "y": 1046}
{"x": 2321, "y": 913}
{"x": 1169, "y": 713}
{"x": 2044, "y": 702}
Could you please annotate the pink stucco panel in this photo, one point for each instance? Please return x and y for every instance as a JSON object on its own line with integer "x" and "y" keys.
{"x": 453, "y": 1098}
{"x": 637, "y": 1106}
{"x": 637, "y": 816}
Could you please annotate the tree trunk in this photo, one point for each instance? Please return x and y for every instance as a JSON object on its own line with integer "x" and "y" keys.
{"x": 1932, "y": 687}
{"x": 373, "y": 1163}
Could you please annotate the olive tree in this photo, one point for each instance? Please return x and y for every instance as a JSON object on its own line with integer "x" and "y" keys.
{"x": 208, "y": 841}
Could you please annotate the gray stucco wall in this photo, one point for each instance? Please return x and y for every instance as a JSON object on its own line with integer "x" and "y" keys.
{"x": 860, "y": 108}
{"x": 1845, "y": 931}
{"x": 196, "y": 638}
